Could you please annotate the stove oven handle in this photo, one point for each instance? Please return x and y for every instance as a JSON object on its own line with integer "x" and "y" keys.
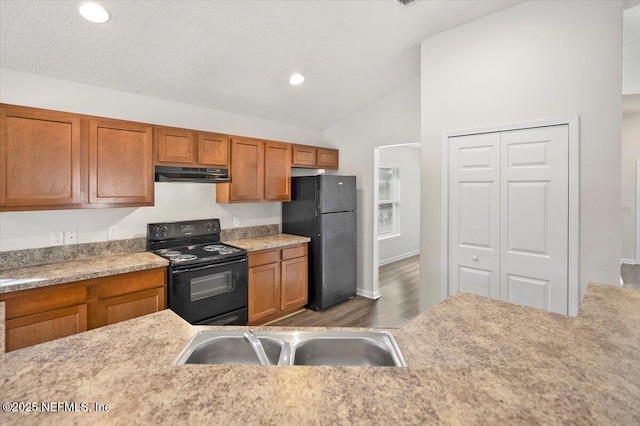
{"x": 216, "y": 265}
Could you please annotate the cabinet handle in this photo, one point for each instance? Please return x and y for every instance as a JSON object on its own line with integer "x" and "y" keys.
{"x": 474, "y": 258}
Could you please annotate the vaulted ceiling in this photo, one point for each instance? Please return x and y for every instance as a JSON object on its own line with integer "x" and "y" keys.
{"x": 235, "y": 55}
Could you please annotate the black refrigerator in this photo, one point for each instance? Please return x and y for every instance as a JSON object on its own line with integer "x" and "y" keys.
{"x": 323, "y": 208}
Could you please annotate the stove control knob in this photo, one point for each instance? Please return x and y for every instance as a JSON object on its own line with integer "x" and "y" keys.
{"x": 159, "y": 230}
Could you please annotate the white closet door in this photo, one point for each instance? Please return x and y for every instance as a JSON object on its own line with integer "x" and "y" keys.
{"x": 535, "y": 215}
{"x": 474, "y": 214}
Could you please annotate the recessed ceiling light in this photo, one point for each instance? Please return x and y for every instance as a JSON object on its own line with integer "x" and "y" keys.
{"x": 296, "y": 79}
{"x": 94, "y": 12}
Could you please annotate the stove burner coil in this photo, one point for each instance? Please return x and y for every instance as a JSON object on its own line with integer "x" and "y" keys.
{"x": 214, "y": 247}
{"x": 183, "y": 257}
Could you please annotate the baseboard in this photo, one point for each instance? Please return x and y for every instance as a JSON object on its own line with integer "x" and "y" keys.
{"x": 628, "y": 261}
{"x": 398, "y": 257}
{"x": 368, "y": 294}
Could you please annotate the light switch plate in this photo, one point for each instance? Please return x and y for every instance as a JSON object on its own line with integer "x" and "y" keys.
{"x": 57, "y": 238}
{"x": 236, "y": 222}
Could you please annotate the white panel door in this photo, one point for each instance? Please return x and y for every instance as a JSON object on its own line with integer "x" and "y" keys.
{"x": 474, "y": 214}
{"x": 534, "y": 214}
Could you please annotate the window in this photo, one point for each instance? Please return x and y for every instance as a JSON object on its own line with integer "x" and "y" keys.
{"x": 388, "y": 205}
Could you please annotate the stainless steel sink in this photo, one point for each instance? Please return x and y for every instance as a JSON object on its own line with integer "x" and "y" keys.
{"x": 207, "y": 347}
{"x": 358, "y": 351}
{"x": 329, "y": 348}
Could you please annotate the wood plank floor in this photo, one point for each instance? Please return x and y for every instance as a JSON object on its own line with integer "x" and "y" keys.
{"x": 399, "y": 302}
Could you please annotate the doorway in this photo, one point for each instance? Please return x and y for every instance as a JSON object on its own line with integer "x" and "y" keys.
{"x": 397, "y": 170}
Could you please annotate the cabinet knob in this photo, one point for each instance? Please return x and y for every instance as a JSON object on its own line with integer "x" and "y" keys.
{"x": 474, "y": 258}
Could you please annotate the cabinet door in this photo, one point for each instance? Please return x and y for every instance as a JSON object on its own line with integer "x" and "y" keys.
{"x": 264, "y": 291}
{"x": 277, "y": 171}
{"x": 213, "y": 149}
{"x": 39, "y": 158}
{"x": 120, "y": 163}
{"x": 128, "y": 306}
{"x": 247, "y": 169}
{"x": 174, "y": 146}
{"x": 327, "y": 158}
{"x": 294, "y": 283}
{"x": 43, "y": 327}
{"x": 303, "y": 156}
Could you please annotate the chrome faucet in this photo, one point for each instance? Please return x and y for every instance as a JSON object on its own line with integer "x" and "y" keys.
{"x": 250, "y": 337}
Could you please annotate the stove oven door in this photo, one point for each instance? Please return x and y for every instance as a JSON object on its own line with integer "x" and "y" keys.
{"x": 209, "y": 294}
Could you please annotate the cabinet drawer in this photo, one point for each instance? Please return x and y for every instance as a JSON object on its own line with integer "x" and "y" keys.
{"x": 39, "y": 300}
{"x": 295, "y": 251}
{"x": 131, "y": 283}
{"x": 264, "y": 257}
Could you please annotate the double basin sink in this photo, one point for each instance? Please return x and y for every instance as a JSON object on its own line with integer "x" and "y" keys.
{"x": 329, "y": 348}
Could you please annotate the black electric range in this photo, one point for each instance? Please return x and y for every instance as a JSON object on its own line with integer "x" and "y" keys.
{"x": 207, "y": 280}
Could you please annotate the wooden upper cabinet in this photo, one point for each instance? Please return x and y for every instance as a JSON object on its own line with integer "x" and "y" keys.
{"x": 246, "y": 172}
{"x": 40, "y": 161}
{"x": 120, "y": 162}
{"x": 277, "y": 171}
{"x": 314, "y": 157}
{"x": 213, "y": 149}
{"x": 304, "y": 155}
{"x": 327, "y": 158}
{"x": 174, "y": 146}
{"x": 190, "y": 148}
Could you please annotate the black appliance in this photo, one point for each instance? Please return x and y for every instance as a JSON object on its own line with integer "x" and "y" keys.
{"x": 323, "y": 208}
{"x": 207, "y": 280}
{"x": 191, "y": 174}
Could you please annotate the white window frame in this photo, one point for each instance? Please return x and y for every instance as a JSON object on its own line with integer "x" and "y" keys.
{"x": 395, "y": 201}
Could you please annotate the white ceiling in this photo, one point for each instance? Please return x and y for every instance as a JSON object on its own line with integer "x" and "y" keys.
{"x": 235, "y": 55}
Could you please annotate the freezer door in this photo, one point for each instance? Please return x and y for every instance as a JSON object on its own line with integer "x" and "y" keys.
{"x": 336, "y": 266}
{"x": 336, "y": 193}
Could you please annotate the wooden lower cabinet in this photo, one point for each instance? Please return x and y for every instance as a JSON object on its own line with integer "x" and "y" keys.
{"x": 277, "y": 283}
{"x": 39, "y": 315}
{"x": 119, "y": 298}
{"x": 38, "y": 328}
{"x": 294, "y": 289}
{"x": 264, "y": 291}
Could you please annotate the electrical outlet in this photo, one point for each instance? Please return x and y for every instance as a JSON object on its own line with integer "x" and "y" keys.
{"x": 57, "y": 238}
{"x": 112, "y": 233}
{"x": 70, "y": 237}
{"x": 236, "y": 222}
{"x": 625, "y": 209}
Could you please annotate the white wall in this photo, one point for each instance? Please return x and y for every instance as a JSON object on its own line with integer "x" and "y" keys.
{"x": 182, "y": 201}
{"x": 630, "y": 153}
{"x": 392, "y": 119}
{"x": 537, "y": 60}
{"x": 407, "y": 159}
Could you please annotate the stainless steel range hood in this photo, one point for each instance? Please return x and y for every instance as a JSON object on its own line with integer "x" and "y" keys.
{"x": 191, "y": 174}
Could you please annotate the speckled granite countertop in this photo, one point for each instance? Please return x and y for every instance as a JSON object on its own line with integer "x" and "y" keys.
{"x": 77, "y": 270}
{"x": 471, "y": 360}
{"x": 268, "y": 242}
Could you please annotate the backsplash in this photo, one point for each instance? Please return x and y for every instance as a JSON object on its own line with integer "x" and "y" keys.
{"x": 39, "y": 256}
{"x": 249, "y": 232}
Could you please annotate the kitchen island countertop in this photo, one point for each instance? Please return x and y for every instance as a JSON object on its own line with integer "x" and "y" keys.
{"x": 471, "y": 360}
